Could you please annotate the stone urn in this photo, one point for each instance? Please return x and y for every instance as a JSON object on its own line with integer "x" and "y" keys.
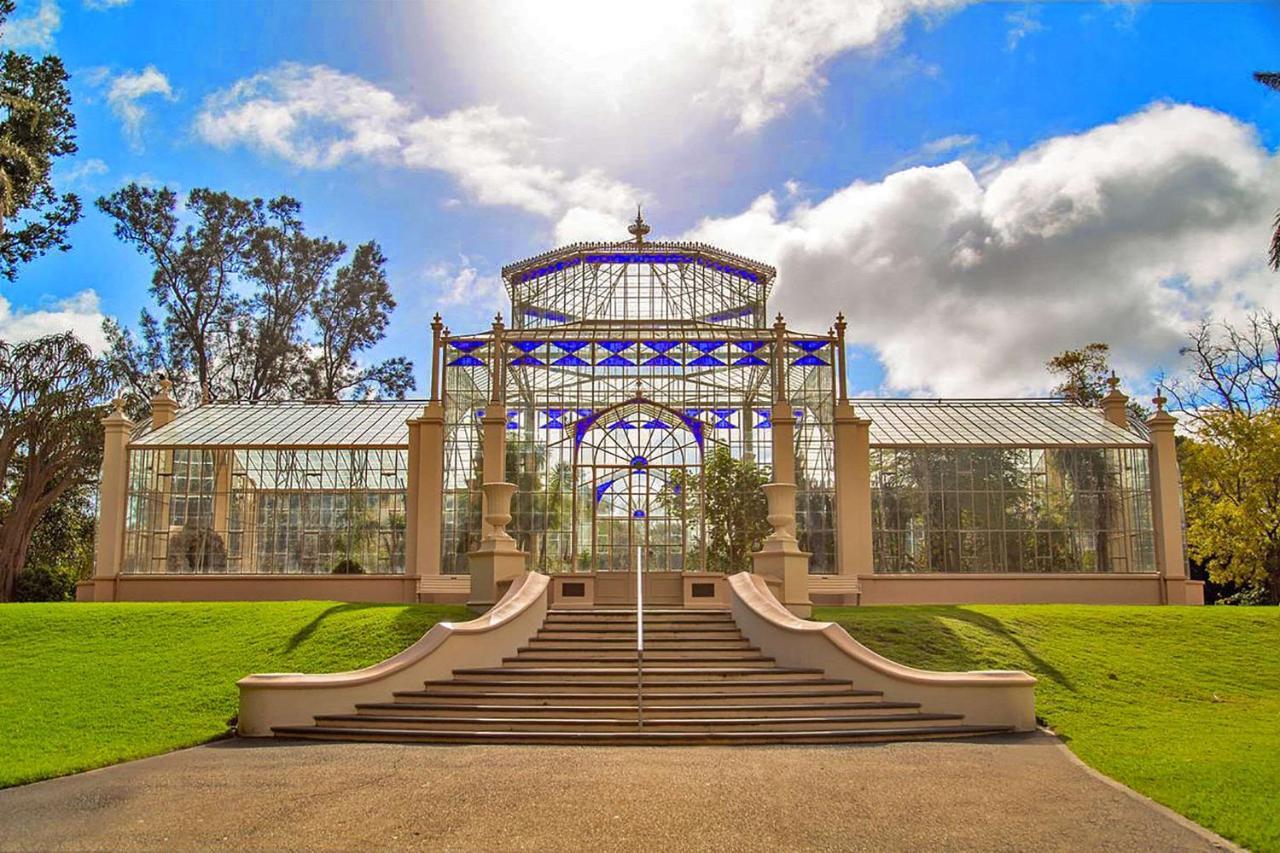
{"x": 782, "y": 507}
{"x": 497, "y": 503}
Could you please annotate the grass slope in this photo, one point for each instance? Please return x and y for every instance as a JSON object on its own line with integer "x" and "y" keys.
{"x": 85, "y": 685}
{"x": 1180, "y": 703}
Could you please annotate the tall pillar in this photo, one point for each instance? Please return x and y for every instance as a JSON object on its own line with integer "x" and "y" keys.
{"x": 424, "y": 493}
{"x": 1115, "y": 405}
{"x": 1166, "y": 504}
{"x": 853, "y": 492}
{"x": 493, "y": 425}
{"x": 780, "y": 561}
{"x": 112, "y": 500}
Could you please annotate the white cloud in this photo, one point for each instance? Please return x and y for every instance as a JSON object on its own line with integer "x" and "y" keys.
{"x": 770, "y": 52}
{"x": 36, "y": 30}
{"x": 316, "y": 117}
{"x": 947, "y": 144}
{"x": 125, "y": 92}
{"x": 463, "y": 284}
{"x": 1021, "y": 24}
{"x": 81, "y": 313}
{"x": 679, "y": 61}
{"x": 104, "y": 5}
{"x": 84, "y": 171}
{"x": 966, "y": 283}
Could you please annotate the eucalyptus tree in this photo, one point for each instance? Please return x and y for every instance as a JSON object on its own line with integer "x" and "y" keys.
{"x": 52, "y": 394}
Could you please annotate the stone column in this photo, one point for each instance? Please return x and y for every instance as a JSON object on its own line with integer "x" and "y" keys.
{"x": 1166, "y": 505}
{"x": 1115, "y": 405}
{"x": 853, "y": 492}
{"x": 424, "y": 493}
{"x": 497, "y": 562}
{"x": 112, "y": 499}
{"x": 782, "y": 417}
{"x": 780, "y": 561}
{"x": 493, "y": 425}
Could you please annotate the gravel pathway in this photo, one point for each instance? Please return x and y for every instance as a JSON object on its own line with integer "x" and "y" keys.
{"x": 1015, "y": 793}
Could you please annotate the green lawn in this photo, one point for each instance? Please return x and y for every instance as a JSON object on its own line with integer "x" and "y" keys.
{"x": 84, "y": 685}
{"x": 1180, "y": 703}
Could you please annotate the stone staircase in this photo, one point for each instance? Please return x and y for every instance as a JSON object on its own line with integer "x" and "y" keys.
{"x": 576, "y": 682}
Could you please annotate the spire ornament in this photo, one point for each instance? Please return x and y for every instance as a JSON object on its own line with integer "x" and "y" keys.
{"x": 639, "y": 228}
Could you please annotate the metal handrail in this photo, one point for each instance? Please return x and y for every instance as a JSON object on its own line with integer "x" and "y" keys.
{"x": 639, "y": 640}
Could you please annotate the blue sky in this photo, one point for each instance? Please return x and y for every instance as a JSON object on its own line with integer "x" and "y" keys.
{"x": 977, "y": 186}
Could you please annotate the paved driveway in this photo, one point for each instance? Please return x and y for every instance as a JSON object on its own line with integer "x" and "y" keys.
{"x": 1017, "y": 793}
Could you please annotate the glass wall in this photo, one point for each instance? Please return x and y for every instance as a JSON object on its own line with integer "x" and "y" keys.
{"x": 277, "y": 511}
{"x": 951, "y": 509}
{"x": 594, "y": 482}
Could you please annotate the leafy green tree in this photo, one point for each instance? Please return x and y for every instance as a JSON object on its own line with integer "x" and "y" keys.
{"x": 736, "y": 508}
{"x": 36, "y": 126}
{"x": 51, "y": 395}
{"x": 1231, "y": 486}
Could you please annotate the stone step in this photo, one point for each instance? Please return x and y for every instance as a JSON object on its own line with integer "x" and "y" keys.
{"x": 629, "y": 674}
{"x": 630, "y": 722}
{"x": 628, "y": 658}
{"x": 682, "y": 685}
{"x": 621, "y": 643}
{"x": 626, "y": 707}
{"x": 606, "y": 634}
{"x": 637, "y": 738}
{"x": 523, "y": 693}
{"x": 721, "y": 619}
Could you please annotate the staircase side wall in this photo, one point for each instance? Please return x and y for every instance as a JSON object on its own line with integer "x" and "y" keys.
{"x": 294, "y": 699}
{"x": 1000, "y": 698}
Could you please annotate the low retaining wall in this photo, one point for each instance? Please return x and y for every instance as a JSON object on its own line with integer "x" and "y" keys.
{"x": 997, "y": 697}
{"x": 293, "y": 699}
{"x": 171, "y": 587}
{"x": 1003, "y": 588}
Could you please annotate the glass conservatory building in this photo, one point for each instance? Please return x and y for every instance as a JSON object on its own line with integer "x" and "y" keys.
{"x": 638, "y": 398}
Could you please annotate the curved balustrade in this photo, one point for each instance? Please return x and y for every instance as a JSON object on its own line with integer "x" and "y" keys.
{"x": 992, "y": 697}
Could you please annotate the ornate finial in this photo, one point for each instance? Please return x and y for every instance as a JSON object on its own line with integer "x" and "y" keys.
{"x": 840, "y": 319}
{"x": 1113, "y": 381}
{"x": 117, "y": 405}
{"x": 497, "y": 318}
{"x": 166, "y": 388}
{"x": 1159, "y": 399}
{"x": 638, "y": 229}
{"x": 436, "y": 322}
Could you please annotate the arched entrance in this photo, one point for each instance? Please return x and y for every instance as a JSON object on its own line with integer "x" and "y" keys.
{"x": 636, "y": 465}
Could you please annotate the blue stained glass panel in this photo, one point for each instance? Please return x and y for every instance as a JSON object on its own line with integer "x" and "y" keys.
{"x": 526, "y": 346}
{"x": 809, "y": 361}
{"x": 617, "y": 361}
{"x": 638, "y": 514}
{"x": 662, "y": 346}
{"x": 602, "y": 488}
{"x": 706, "y": 361}
{"x": 466, "y": 361}
{"x": 751, "y": 361}
{"x": 766, "y": 419}
{"x": 527, "y": 361}
{"x": 638, "y": 462}
{"x": 569, "y": 346}
{"x": 617, "y": 346}
{"x": 656, "y": 423}
{"x": 706, "y": 346}
{"x": 622, "y": 424}
{"x": 467, "y": 346}
{"x": 750, "y": 346}
{"x": 809, "y": 346}
{"x": 661, "y": 361}
{"x": 570, "y": 361}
